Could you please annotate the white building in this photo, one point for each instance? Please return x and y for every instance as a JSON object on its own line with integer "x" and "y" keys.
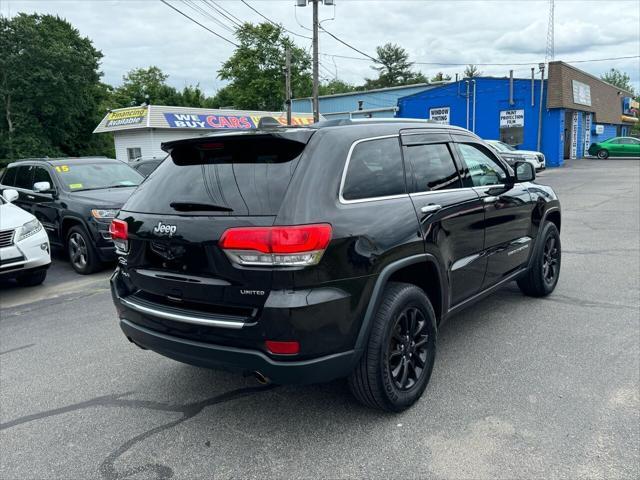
{"x": 138, "y": 132}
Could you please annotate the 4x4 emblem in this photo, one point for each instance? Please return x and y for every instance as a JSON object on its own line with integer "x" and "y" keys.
{"x": 165, "y": 228}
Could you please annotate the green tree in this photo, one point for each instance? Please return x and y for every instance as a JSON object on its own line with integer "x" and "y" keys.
{"x": 394, "y": 68}
{"x": 145, "y": 85}
{"x": 256, "y": 70}
{"x": 336, "y": 86}
{"x": 440, "y": 77}
{"x": 472, "y": 71}
{"x": 619, "y": 79}
{"x": 50, "y": 89}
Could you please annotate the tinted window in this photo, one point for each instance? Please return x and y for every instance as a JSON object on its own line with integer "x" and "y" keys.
{"x": 628, "y": 141}
{"x": 433, "y": 167}
{"x": 481, "y": 168}
{"x": 146, "y": 168}
{"x": 23, "y": 177}
{"x": 248, "y": 175}
{"x": 9, "y": 178}
{"x": 375, "y": 170}
{"x": 41, "y": 175}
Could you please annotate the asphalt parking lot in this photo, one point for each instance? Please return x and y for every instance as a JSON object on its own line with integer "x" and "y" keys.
{"x": 522, "y": 387}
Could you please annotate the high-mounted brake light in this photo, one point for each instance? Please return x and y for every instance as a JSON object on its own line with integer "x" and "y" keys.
{"x": 298, "y": 245}
{"x": 119, "y": 231}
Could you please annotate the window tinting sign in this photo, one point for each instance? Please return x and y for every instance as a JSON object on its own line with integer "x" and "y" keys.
{"x": 574, "y": 135}
{"x": 440, "y": 115}
{"x": 581, "y": 93}
{"x": 511, "y": 118}
{"x": 587, "y": 132}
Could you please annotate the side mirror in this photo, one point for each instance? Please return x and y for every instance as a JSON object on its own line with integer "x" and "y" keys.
{"x": 524, "y": 172}
{"x": 10, "y": 195}
{"x": 42, "y": 187}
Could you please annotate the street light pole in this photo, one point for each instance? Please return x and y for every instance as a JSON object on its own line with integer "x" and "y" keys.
{"x": 316, "y": 103}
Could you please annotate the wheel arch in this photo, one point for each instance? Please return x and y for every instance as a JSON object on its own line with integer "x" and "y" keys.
{"x": 66, "y": 224}
{"x": 409, "y": 270}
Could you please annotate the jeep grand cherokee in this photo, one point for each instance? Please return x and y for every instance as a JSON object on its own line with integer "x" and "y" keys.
{"x": 335, "y": 250}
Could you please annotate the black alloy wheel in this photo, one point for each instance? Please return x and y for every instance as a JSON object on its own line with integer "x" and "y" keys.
{"x": 551, "y": 256}
{"x": 408, "y": 348}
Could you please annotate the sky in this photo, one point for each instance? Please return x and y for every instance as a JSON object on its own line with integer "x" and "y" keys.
{"x": 134, "y": 33}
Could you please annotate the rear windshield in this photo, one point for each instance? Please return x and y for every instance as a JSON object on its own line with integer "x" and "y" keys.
{"x": 230, "y": 176}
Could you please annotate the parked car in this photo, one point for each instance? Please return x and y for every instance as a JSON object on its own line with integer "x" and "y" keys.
{"x": 145, "y": 167}
{"x": 616, "y": 147}
{"x": 511, "y": 154}
{"x": 24, "y": 246}
{"x": 335, "y": 250}
{"x": 75, "y": 200}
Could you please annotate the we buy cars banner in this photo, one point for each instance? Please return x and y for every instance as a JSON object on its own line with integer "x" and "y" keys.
{"x": 199, "y": 121}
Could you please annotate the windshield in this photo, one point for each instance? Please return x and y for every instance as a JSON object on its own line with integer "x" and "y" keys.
{"x": 93, "y": 176}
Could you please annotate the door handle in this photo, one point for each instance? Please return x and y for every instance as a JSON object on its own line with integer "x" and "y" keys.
{"x": 31, "y": 197}
{"x": 491, "y": 199}
{"x": 431, "y": 208}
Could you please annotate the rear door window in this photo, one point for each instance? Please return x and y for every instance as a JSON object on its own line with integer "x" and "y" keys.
{"x": 375, "y": 170}
{"x": 221, "y": 176}
{"x": 433, "y": 167}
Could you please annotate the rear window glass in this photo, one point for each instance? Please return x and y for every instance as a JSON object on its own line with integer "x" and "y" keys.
{"x": 375, "y": 170}
{"x": 230, "y": 176}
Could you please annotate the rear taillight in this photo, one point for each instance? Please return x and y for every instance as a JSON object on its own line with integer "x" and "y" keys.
{"x": 298, "y": 245}
{"x": 119, "y": 231}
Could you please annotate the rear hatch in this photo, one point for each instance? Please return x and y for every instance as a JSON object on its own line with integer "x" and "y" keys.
{"x": 178, "y": 214}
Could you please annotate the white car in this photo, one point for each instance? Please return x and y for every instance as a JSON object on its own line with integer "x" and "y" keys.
{"x": 511, "y": 154}
{"x": 24, "y": 245}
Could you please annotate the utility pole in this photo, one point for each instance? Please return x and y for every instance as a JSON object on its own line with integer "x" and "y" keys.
{"x": 540, "y": 106}
{"x": 287, "y": 85}
{"x": 316, "y": 103}
{"x": 316, "y": 26}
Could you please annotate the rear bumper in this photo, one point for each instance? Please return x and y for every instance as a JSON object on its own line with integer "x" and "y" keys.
{"x": 316, "y": 370}
{"x": 230, "y": 344}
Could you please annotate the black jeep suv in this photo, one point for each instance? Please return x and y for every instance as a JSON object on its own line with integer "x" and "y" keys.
{"x": 75, "y": 199}
{"x": 337, "y": 250}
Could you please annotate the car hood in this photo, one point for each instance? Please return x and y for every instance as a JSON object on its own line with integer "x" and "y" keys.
{"x": 12, "y": 216}
{"x": 526, "y": 152}
{"x": 105, "y": 196}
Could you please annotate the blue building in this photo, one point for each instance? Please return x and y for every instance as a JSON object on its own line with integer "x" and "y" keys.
{"x": 380, "y": 103}
{"x": 578, "y": 109}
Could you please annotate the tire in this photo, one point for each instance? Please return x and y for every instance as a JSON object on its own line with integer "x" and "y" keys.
{"x": 377, "y": 380}
{"x": 603, "y": 154}
{"x": 82, "y": 254}
{"x": 542, "y": 277}
{"x": 32, "y": 279}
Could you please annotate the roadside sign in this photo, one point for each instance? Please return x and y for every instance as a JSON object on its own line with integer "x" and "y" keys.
{"x": 440, "y": 115}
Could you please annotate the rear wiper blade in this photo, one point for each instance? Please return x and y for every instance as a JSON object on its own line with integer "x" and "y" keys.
{"x": 198, "y": 207}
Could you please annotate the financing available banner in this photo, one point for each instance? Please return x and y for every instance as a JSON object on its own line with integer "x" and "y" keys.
{"x": 204, "y": 121}
{"x": 129, "y": 116}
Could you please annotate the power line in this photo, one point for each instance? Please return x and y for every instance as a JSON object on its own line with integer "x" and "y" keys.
{"x": 274, "y": 23}
{"x": 488, "y": 64}
{"x": 350, "y": 46}
{"x": 198, "y": 23}
{"x": 225, "y": 13}
{"x": 198, "y": 9}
